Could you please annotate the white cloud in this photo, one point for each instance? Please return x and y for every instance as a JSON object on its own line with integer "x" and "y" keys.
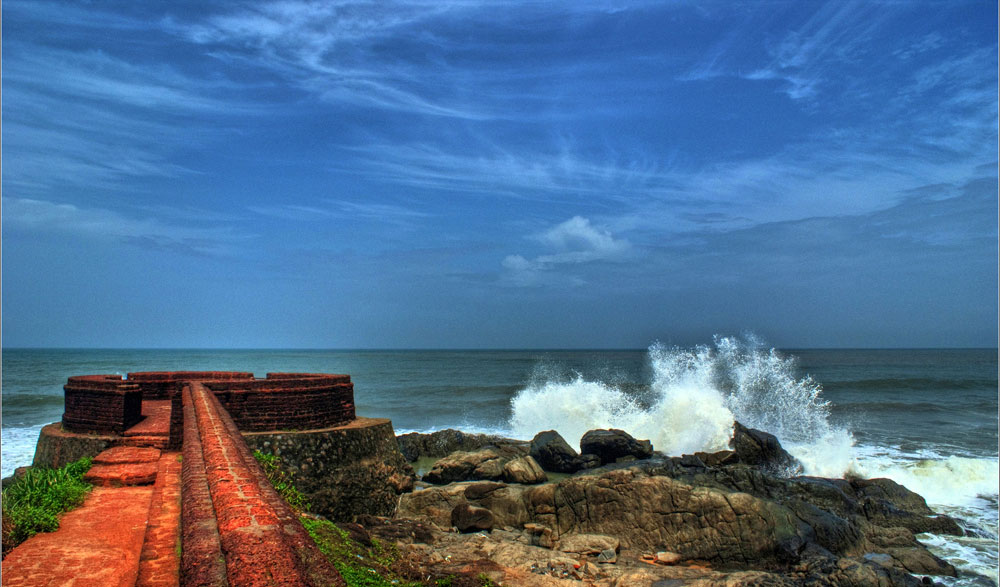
{"x": 572, "y": 242}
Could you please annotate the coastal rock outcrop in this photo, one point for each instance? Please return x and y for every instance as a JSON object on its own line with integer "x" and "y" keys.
{"x": 758, "y": 448}
{"x": 752, "y": 520}
{"x": 554, "y": 454}
{"x": 442, "y": 443}
{"x": 613, "y": 444}
{"x": 492, "y": 463}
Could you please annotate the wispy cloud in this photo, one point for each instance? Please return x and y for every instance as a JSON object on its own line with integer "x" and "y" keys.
{"x": 382, "y": 212}
{"x": 90, "y": 119}
{"x": 48, "y": 217}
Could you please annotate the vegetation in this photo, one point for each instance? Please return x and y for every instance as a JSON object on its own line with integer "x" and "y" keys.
{"x": 359, "y": 566}
{"x": 282, "y": 481}
{"x": 33, "y": 502}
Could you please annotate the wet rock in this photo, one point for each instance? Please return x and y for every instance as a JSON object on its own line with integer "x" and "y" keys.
{"x": 553, "y": 453}
{"x": 760, "y": 449}
{"x": 613, "y": 444}
{"x": 523, "y": 470}
{"x": 444, "y": 442}
{"x": 469, "y": 518}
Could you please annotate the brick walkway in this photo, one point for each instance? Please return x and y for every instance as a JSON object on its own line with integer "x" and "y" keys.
{"x": 126, "y": 532}
{"x": 96, "y": 545}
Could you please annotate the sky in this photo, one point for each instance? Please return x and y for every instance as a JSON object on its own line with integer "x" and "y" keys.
{"x": 471, "y": 174}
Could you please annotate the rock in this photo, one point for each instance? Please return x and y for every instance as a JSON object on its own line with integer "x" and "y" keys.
{"x": 553, "y": 453}
{"x": 486, "y": 464}
{"x": 469, "y": 518}
{"x": 610, "y": 445}
{"x": 718, "y": 459}
{"x": 607, "y": 556}
{"x": 444, "y": 442}
{"x": 589, "y": 462}
{"x": 588, "y": 543}
{"x": 668, "y": 558}
{"x": 758, "y": 448}
{"x": 523, "y": 470}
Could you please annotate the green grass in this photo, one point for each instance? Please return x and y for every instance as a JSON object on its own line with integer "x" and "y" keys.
{"x": 33, "y": 502}
{"x": 359, "y": 566}
{"x": 282, "y": 481}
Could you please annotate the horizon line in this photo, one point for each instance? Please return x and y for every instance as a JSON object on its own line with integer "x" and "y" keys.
{"x": 482, "y": 349}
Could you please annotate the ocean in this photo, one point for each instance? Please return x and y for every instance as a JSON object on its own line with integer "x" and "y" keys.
{"x": 925, "y": 418}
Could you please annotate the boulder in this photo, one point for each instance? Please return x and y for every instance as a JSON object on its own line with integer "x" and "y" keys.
{"x": 469, "y": 518}
{"x": 588, "y": 543}
{"x": 523, "y": 470}
{"x": 760, "y": 449}
{"x": 553, "y": 453}
{"x": 612, "y": 445}
{"x": 444, "y": 442}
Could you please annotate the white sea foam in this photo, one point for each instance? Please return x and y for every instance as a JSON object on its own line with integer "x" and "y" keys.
{"x": 696, "y": 394}
{"x": 18, "y": 448}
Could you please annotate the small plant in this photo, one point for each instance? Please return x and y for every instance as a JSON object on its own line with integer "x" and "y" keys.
{"x": 34, "y": 501}
{"x": 282, "y": 481}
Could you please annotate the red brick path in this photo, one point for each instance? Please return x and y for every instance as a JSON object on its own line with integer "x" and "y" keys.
{"x": 96, "y": 545}
{"x": 160, "y": 563}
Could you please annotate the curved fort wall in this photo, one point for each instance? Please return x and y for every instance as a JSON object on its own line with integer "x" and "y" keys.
{"x": 346, "y": 466}
{"x": 109, "y": 404}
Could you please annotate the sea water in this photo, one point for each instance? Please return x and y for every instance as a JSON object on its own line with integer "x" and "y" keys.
{"x": 925, "y": 418}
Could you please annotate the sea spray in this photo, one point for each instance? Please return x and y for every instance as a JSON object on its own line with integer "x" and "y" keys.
{"x": 694, "y": 397}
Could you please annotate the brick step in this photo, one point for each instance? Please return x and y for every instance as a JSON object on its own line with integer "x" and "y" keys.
{"x": 122, "y": 475}
{"x": 159, "y": 442}
{"x": 124, "y": 455}
{"x": 160, "y": 561}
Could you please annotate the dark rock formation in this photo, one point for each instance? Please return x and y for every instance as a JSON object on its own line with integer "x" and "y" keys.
{"x": 553, "y": 453}
{"x": 760, "y": 449}
{"x": 444, "y": 442}
{"x": 612, "y": 445}
{"x": 754, "y": 521}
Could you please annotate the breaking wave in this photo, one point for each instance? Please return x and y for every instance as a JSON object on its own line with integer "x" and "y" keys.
{"x": 693, "y": 399}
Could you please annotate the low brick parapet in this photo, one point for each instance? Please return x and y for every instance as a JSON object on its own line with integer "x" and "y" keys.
{"x": 261, "y": 538}
{"x": 101, "y": 404}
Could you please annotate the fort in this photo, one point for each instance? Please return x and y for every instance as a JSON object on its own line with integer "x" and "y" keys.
{"x": 173, "y": 458}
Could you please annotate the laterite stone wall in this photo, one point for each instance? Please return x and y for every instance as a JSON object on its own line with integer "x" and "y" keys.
{"x": 101, "y": 404}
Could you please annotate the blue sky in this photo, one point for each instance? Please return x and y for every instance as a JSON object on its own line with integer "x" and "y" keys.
{"x": 518, "y": 174}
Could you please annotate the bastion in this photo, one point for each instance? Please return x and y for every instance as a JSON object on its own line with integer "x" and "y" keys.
{"x": 345, "y": 465}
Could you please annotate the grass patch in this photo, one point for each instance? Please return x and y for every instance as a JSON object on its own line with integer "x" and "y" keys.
{"x": 359, "y": 566}
{"x": 34, "y": 501}
{"x": 282, "y": 481}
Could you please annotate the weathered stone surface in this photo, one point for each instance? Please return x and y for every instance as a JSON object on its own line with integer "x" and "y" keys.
{"x": 613, "y": 444}
{"x": 754, "y": 447}
{"x": 57, "y": 447}
{"x": 523, "y": 470}
{"x": 588, "y": 543}
{"x": 484, "y": 464}
{"x": 444, "y": 442}
{"x": 553, "y": 453}
{"x": 345, "y": 471}
{"x": 469, "y": 518}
